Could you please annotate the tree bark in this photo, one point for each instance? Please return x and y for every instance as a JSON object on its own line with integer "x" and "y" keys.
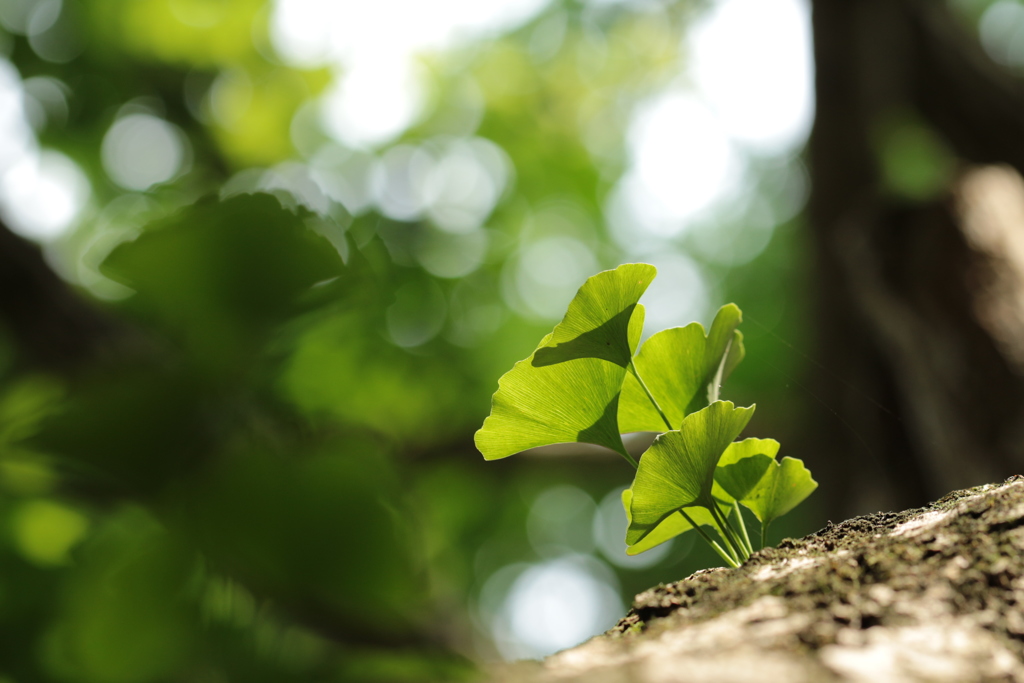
{"x": 931, "y": 594}
{"x": 53, "y": 327}
{"x": 918, "y": 301}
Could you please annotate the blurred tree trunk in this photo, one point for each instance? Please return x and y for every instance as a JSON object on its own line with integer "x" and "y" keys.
{"x": 919, "y": 302}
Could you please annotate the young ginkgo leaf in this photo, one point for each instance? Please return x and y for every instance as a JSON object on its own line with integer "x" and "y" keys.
{"x": 568, "y": 389}
{"x": 683, "y": 368}
{"x": 784, "y": 486}
{"x": 678, "y": 469}
{"x": 742, "y": 466}
{"x": 668, "y": 528}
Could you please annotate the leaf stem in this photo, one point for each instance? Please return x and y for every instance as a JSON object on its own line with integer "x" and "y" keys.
{"x": 727, "y": 531}
{"x": 632, "y": 368}
{"x": 730, "y": 544}
{"x": 743, "y": 526}
{"x": 629, "y": 458}
{"x": 716, "y": 382}
{"x": 731, "y": 561}
{"x": 764, "y": 535}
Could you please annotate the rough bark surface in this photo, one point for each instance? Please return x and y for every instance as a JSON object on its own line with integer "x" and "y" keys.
{"x": 930, "y": 594}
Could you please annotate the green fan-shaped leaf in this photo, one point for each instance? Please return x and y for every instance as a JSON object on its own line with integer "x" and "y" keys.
{"x": 742, "y": 466}
{"x": 668, "y": 528}
{"x": 784, "y": 486}
{"x": 677, "y": 471}
{"x": 568, "y": 389}
{"x": 683, "y": 368}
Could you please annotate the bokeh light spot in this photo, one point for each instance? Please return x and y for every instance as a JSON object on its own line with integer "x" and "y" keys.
{"x": 345, "y": 177}
{"x": 610, "y": 536}
{"x": 141, "y": 150}
{"x": 230, "y": 97}
{"x": 678, "y": 296}
{"x": 16, "y": 137}
{"x": 380, "y": 90}
{"x": 1001, "y": 29}
{"x": 45, "y": 532}
{"x": 547, "y": 274}
{"x": 554, "y": 605}
{"x": 15, "y": 15}
{"x": 683, "y": 162}
{"x": 417, "y": 314}
{"x": 46, "y": 101}
{"x": 752, "y": 61}
{"x": 735, "y": 240}
{"x": 452, "y": 256}
{"x": 560, "y": 520}
{"x": 53, "y": 31}
{"x": 43, "y": 16}
{"x": 373, "y": 102}
{"x": 43, "y": 194}
{"x": 399, "y": 182}
{"x": 466, "y": 184}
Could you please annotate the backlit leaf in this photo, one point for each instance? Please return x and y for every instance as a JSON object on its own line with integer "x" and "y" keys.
{"x": 784, "y": 486}
{"x": 568, "y": 389}
{"x": 742, "y": 466}
{"x": 668, "y": 528}
{"x": 683, "y": 368}
{"x": 678, "y": 469}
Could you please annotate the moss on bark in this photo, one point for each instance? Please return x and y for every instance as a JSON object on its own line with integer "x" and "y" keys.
{"x": 930, "y": 594}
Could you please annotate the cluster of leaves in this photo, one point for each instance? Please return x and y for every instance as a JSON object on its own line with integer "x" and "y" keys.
{"x": 585, "y": 383}
{"x": 203, "y": 498}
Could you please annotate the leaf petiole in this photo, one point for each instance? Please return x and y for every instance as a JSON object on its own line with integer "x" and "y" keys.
{"x": 729, "y": 559}
{"x": 743, "y": 526}
{"x": 728, "y": 532}
{"x": 716, "y": 381}
{"x": 643, "y": 385}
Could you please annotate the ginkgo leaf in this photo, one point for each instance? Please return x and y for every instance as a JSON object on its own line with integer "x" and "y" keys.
{"x": 568, "y": 389}
{"x": 784, "y": 486}
{"x": 742, "y": 466}
{"x": 677, "y": 471}
{"x": 668, "y": 528}
{"x": 683, "y": 368}
{"x": 738, "y": 472}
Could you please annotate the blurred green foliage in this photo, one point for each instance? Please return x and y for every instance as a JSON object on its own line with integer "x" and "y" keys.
{"x": 273, "y": 478}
